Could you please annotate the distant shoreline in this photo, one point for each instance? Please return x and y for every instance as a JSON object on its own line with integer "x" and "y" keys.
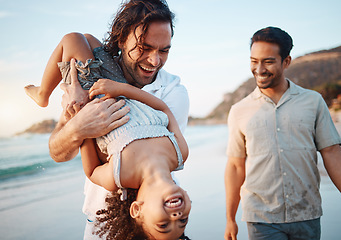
{"x": 47, "y": 126}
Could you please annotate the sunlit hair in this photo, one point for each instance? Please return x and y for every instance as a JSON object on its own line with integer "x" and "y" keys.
{"x": 115, "y": 222}
{"x": 132, "y": 15}
{"x": 277, "y": 36}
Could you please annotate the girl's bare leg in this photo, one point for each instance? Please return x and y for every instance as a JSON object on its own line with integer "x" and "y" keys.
{"x": 73, "y": 45}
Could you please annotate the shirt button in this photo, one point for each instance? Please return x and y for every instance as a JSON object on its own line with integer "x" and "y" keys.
{"x": 287, "y": 196}
{"x": 285, "y": 174}
{"x": 281, "y": 150}
{"x": 278, "y": 129}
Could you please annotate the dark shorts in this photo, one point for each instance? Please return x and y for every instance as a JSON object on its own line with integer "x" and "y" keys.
{"x": 305, "y": 230}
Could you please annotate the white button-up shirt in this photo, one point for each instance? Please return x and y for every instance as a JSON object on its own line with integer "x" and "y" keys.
{"x": 167, "y": 87}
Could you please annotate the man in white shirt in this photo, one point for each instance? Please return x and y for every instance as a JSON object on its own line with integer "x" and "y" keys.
{"x": 141, "y": 49}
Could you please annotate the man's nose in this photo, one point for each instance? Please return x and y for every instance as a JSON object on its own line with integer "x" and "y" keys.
{"x": 154, "y": 58}
{"x": 260, "y": 68}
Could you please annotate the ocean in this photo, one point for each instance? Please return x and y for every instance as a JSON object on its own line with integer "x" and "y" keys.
{"x": 42, "y": 199}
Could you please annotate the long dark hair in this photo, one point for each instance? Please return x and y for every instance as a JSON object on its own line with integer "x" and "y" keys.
{"x": 133, "y": 14}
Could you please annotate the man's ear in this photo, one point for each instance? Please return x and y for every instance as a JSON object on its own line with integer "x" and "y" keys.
{"x": 120, "y": 45}
{"x": 287, "y": 61}
{"x": 135, "y": 209}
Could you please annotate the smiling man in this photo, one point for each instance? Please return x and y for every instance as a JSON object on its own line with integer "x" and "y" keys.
{"x": 274, "y": 136}
{"x": 141, "y": 61}
{"x": 139, "y": 42}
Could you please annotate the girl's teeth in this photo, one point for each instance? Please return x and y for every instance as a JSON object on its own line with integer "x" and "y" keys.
{"x": 173, "y": 203}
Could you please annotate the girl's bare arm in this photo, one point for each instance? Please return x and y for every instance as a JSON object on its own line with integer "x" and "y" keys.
{"x": 98, "y": 172}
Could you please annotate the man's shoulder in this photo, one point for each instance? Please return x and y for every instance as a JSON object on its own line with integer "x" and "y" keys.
{"x": 169, "y": 82}
{"x": 295, "y": 88}
{"x": 246, "y": 101}
{"x": 305, "y": 92}
{"x": 166, "y": 85}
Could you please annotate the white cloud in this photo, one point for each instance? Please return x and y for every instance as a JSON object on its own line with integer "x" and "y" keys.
{"x": 5, "y": 14}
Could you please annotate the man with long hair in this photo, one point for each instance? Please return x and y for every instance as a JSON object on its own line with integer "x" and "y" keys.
{"x": 139, "y": 42}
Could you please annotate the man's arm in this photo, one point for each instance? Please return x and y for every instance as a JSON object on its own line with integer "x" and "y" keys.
{"x": 59, "y": 135}
{"x": 332, "y": 162}
{"x": 234, "y": 178}
{"x": 96, "y": 119}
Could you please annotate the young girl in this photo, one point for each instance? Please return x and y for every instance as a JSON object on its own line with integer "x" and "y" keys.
{"x": 161, "y": 207}
{"x": 141, "y": 154}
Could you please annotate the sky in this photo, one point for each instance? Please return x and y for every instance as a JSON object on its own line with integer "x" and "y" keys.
{"x": 210, "y": 48}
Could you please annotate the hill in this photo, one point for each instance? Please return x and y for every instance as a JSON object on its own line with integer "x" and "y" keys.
{"x": 320, "y": 71}
{"x": 45, "y": 126}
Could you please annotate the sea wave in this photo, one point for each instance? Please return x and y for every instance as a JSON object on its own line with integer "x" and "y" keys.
{"x": 24, "y": 155}
{"x": 28, "y": 154}
{"x": 24, "y": 170}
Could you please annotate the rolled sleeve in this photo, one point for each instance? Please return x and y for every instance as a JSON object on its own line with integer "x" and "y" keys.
{"x": 326, "y": 134}
{"x": 236, "y": 140}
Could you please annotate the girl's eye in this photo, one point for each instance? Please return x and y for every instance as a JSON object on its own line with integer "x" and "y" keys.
{"x": 184, "y": 220}
{"x": 164, "y": 225}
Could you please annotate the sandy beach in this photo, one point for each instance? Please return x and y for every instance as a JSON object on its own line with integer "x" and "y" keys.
{"x": 51, "y": 209}
{"x": 53, "y": 212}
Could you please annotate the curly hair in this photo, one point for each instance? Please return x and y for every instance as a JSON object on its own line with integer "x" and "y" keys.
{"x": 133, "y": 14}
{"x": 115, "y": 222}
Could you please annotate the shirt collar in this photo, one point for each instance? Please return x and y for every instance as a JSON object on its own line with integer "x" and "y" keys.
{"x": 293, "y": 90}
{"x": 157, "y": 84}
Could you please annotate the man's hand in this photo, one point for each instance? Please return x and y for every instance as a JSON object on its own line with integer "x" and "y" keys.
{"x": 231, "y": 231}
{"x": 99, "y": 117}
{"x": 96, "y": 119}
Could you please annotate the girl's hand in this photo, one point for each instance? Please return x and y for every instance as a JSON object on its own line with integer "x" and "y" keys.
{"x": 109, "y": 88}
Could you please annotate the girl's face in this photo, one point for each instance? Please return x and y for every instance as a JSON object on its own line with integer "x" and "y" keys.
{"x": 163, "y": 212}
